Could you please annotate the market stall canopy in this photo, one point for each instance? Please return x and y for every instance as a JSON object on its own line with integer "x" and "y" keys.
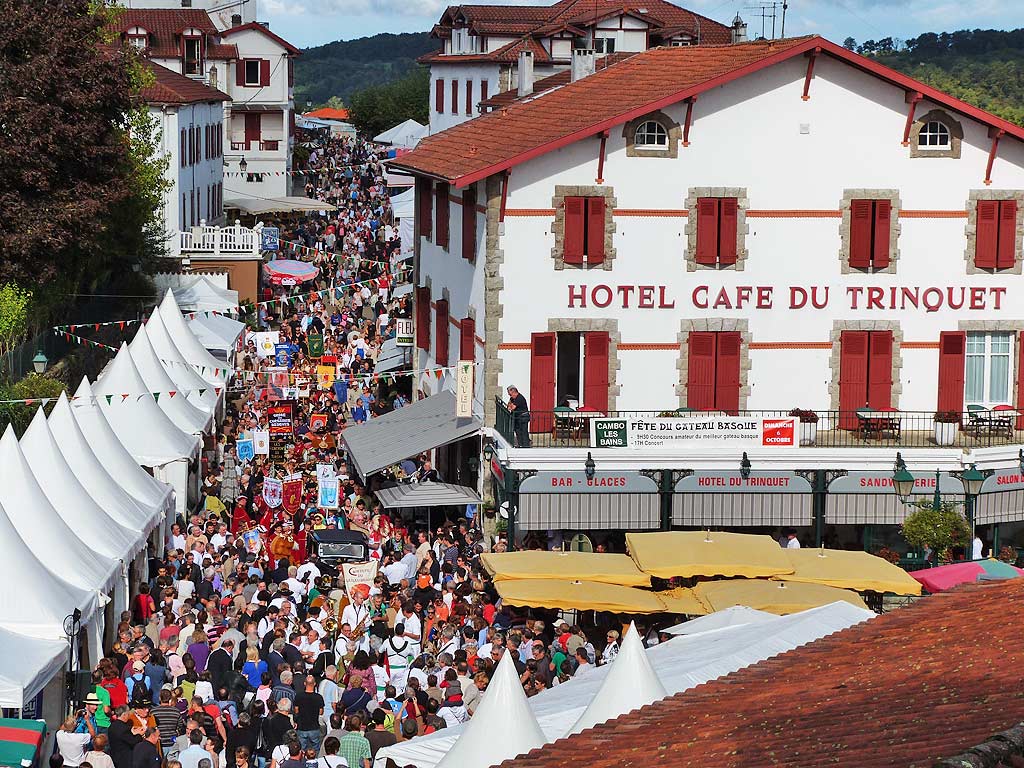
{"x": 201, "y": 295}
{"x": 113, "y": 455}
{"x": 392, "y": 357}
{"x": 403, "y": 205}
{"x": 406, "y": 134}
{"x": 289, "y": 271}
{"x": 706, "y": 553}
{"x": 588, "y": 566}
{"x": 682, "y": 600}
{"x": 198, "y": 390}
{"x": 35, "y": 599}
{"x": 183, "y": 414}
{"x": 848, "y": 569}
{"x": 577, "y": 595}
{"x": 20, "y": 741}
{"x": 730, "y": 617}
{"x": 948, "y": 576}
{"x": 209, "y": 367}
{"x": 257, "y": 207}
{"x": 778, "y": 597}
{"x": 427, "y": 494}
{"x": 422, "y": 426}
{"x": 218, "y": 334}
{"x": 680, "y": 664}
{"x": 502, "y": 727}
{"x": 38, "y": 660}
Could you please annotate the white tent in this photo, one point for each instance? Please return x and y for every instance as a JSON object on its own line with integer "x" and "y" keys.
{"x": 34, "y": 600}
{"x": 52, "y": 541}
{"x": 201, "y": 295}
{"x": 403, "y": 205}
{"x": 134, "y": 514}
{"x": 681, "y": 664}
{"x": 406, "y": 134}
{"x": 34, "y": 662}
{"x": 631, "y": 683}
{"x": 185, "y": 416}
{"x": 218, "y": 334}
{"x": 502, "y": 727}
{"x": 731, "y": 616}
{"x": 153, "y": 495}
{"x": 209, "y": 367}
{"x": 180, "y": 371}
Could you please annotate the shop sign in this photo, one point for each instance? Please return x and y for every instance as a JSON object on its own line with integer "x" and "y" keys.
{"x": 464, "y": 389}
{"x": 403, "y": 332}
{"x": 683, "y": 431}
{"x": 1003, "y": 480}
{"x": 270, "y": 239}
{"x": 881, "y": 482}
{"x": 576, "y": 481}
{"x": 734, "y": 482}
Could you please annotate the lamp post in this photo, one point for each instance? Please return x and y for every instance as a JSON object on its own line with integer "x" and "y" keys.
{"x": 972, "y": 480}
{"x": 902, "y": 480}
{"x": 745, "y": 466}
{"x": 40, "y": 361}
{"x": 589, "y": 467}
{"x": 242, "y": 165}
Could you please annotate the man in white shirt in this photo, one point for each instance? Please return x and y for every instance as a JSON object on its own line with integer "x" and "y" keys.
{"x": 792, "y": 542}
{"x": 395, "y": 572}
{"x": 177, "y": 539}
{"x": 409, "y": 561}
{"x": 307, "y": 572}
{"x": 407, "y": 617}
{"x": 977, "y": 548}
{"x": 357, "y": 613}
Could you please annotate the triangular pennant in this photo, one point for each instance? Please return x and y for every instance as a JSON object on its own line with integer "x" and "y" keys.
{"x": 156, "y": 396}
{"x": 109, "y": 398}
{"x": 172, "y": 393}
{"x": 96, "y": 327}
{"x": 216, "y": 390}
{"x": 123, "y": 398}
{"x": 121, "y": 325}
{"x": 202, "y": 392}
{"x": 29, "y": 402}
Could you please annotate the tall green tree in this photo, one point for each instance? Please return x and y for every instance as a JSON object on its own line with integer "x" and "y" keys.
{"x": 376, "y": 109}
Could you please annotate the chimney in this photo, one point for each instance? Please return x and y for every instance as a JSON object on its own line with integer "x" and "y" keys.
{"x": 525, "y": 73}
{"x": 584, "y": 62}
{"x": 739, "y": 30}
{"x": 236, "y": 19}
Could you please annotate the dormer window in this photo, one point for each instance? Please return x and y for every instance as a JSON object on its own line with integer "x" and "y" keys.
{"x": 934, "y": 136}
{"x": 137, "y": 38}
{"x": 604, "y": 44}
{"x": 651, "y": 135}
{"x": 192, "y": 52}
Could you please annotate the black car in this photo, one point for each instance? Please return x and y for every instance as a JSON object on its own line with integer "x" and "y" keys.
{"x": 333, "y": 548}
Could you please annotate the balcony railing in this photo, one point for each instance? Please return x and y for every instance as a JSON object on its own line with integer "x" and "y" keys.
{"x": 217, "y": 241}
{"x": 979, "y": 428}
{"x": 269, "y": 145}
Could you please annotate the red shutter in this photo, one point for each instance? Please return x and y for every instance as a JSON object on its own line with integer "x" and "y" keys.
{"x": 700, "y": 371}
{"x": 595, "y": 371}
{"x": 483, "y": 90}
{"x": 860, "y": 233}
{"x": 264, "y": 71}
{"x": 542, "y": 381}
{"x": 575, "y": 221}
{"x": 883, "y": 242}
{"x": 1006, "y": 252}
{"x": 1020, "y": 381}
{"x": 455, "y": 97}
{"x": 469, "y": 97}
{"x": 441, "y": 333}
{"x": 467, "y": 339}
{"x": 728, "y": 228}
{"x": 469, "y": 224}
{"x": 952, "y": 361}
{"x": 426, "y": 210}
{"x": 595, "y": 229}
{"x": 442, "y": 212}
{"x": 853, "y": 376}
{"x": 880, "y": 370}
{"x": 707, "y": 230}
{"x": 184, "y": 149}
{"x": 240, "y": 72}
{"x": 439, "y": 96}
{"x": 986, "y": 234}
{"x": 727, "y": 372}
{"x": 423, "y": 317}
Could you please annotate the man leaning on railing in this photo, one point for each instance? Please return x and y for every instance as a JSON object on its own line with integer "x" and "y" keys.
{"x": 520, "y": 417}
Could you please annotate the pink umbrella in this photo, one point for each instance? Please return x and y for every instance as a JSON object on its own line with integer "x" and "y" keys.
{"x": 948, "y": 576}
{"x": 289, "y": 272}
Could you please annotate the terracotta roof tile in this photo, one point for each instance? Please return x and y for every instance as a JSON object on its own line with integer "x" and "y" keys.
{"x": 556, "y": 80}
{"x": 328, "y": 113}
{"x": 903, "y": 689}
{"x": 172, "y": 88}
{"x": 163, "y": 26}
{"x": 507, "y": 53}
{"x": 265, "y": 31}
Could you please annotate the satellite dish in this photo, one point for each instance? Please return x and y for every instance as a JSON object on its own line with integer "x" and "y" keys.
{"x": 581, "y": 543}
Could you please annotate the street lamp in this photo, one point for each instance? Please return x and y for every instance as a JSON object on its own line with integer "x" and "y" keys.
{"x": 972, "y": 479}
{"x": 488, "y": 452}
{"x": 745, "y": 467}
{"x": 589, "y": 467}
{"x": 40, "y": 361}
{"x": 902, "y": 480}
{"x": 242, "y": 165}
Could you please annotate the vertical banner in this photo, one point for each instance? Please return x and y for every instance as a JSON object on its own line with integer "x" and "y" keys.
{"x": 325, "y": 376}
{"x": 360, "y": 576}
{"x": 318, "y": 422}
{"x": 327, "y": 493}
{"x": 291, "y": 495}
{"x": 315, "y": 344}
{"x": 280, "y": 418}
{"x": 261, "y": 443}
{"x": 325, "y": 472}
{"x": 265, "y": 342}
{"x": 245, "y": 449}
{"x": 282, "y": 358}
{"x": 272, "y": 491}
{"x": 464, "y": 389}
{"x": 403, "y": 332}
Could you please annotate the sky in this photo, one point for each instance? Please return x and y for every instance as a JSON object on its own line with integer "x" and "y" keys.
{"x": 315, "y": 22}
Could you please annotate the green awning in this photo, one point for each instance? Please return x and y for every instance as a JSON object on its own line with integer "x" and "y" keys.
{"x": 20, "y": 741}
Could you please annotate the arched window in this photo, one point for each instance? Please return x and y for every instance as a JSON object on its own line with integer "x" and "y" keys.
{"x": 651, "y": 134}
{"x": 934, "y": 135}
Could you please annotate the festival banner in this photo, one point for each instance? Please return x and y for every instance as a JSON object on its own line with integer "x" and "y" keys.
{"x": 281, "y": 355}
{"x": 265, "y": 342}
{"x": 279, "y": 448}
{"x": 272, "y": 492}
{"x": 360, "y": 576}
{"x": 315, "y": 344}
{"x": 251, "y": 539}
{"x": 325, "y": 472}
{"x": 695, "y": 429}
{"x": 327, "y": 493}
{"x": 325, "y": 376}
{"x": 291, "y": 495}
{"x": 245, "y": 449}
{"x": 280, "y": 418}
{"x": 261, "y": 442}
{"x": 318, "y": 422}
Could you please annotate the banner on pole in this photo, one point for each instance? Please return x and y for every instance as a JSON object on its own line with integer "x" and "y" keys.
{"x": 464, "y": 389}
{"x": 245, "y": 449}
{"x": 272, "y": 492}
{"x": 327, "y": 493}
{"x": 280, "y": 419}
{"x": 291, "y": 495}
{"x": 360, "y": 576}
{"x": 261, "y": 443}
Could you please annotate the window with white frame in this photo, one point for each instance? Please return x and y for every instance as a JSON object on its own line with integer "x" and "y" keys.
{"x": 252, "y": 72}
{"x": 989, "y": 369}
{"x": 651, "y": 134}
{"x": 934, "y": 135}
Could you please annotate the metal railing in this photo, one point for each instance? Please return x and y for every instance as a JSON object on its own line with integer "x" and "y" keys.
{"x": 232, "y": 241}
{"x": 834, "y": 429}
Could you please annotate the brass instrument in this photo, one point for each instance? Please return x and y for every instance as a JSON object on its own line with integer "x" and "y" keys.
{"x": 330, "y": 625}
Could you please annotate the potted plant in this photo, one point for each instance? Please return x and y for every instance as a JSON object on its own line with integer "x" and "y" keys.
{"x": 888, "y": 554}
{"x": 947, "y": 424}
{"x": 808, "y": 425}
{"x": 936, "y": 530}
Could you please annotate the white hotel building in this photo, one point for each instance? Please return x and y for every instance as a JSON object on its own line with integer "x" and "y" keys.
{"x": 740, "y": 229}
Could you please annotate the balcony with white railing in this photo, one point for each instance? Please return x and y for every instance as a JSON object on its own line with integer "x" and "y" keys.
{"x": 217, "y": 242}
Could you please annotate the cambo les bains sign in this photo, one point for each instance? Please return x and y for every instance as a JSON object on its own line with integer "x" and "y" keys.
{"x": 698, "y": 429}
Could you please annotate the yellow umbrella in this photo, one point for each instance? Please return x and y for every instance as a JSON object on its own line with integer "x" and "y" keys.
{"x": 849, "y": 569}
{"x": 578, "y": 595}
{"x": 705, "y": 553}
{"x": 779, "y": 597}
{"x": 682, "y": 600}
{"x": 583, "y": 566}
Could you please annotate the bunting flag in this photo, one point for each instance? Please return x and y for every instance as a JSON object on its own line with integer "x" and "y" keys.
{"x": 295, "y": 300}
{"x": 124, "y": 397}
{"x": 73, "y": 338}
{"x": 295, "y": 248}
{"x": 122, "y": 324}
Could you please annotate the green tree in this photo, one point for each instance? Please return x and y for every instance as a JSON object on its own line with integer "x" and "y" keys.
{"x": 33, "y": 387}
{"x": 850, "y": 44}
{"x": 939, "y": 529}
{"x": 15, "y": 303}
{"x": 376, "y": 109}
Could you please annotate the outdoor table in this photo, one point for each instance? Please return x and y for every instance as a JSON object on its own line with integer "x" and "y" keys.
{"x": 992, "y": 421}
{"x": 875, "y": 423}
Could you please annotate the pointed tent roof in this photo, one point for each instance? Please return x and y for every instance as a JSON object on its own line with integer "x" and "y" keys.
{"x": 631, "y": 683}
{"x": 145, "y": 430}
{"x": 134, "y": 514}
{"x": 50, "y": 539}
{"x": 201, "y": 295}
{"x": 178, "y": 368}
{"x": 113, "y": 455}
{"x": 72, "y": 502}
{"x": 209, "y": 367}
{"x": 217, "y": 332}
{"x": 186, "y": 417}
{"x": 502, "y": 726}
{"x": 732, "y": 616}
{"x": 36, "y": 601}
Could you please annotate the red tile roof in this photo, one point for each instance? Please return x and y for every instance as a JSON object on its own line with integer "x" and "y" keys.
{"x": 172, "y": 88}
{"x": 903, "y": 689}
{"x": 328, "y": 113}
{"x": 556, "y": 80}
{"x": 164, "y": 26}
{"x": 507, "y": 53}
{"x": 265, "y": 31}
{"x": 643, "y": 83}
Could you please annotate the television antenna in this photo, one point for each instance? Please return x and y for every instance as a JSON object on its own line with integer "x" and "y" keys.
{"x": 774, "y": 10}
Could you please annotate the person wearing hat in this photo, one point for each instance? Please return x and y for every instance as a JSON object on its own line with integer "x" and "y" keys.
{"x": 86, "y": 720}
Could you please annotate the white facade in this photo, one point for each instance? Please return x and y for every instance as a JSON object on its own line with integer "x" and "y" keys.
{"x": 480, "y": 77}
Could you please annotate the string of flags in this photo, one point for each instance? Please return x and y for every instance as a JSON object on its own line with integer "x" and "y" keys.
{"x": 338, "y": 292}
{"x": 114, "y": 399}
{"x": 296, "y": 248}
{"x": 277, "y": 378}
{"x": 122, "y": 324}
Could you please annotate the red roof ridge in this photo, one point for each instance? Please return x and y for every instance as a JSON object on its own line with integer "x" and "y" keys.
{"x": 265, "y": 30}
{"x": 171, "y": 87}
